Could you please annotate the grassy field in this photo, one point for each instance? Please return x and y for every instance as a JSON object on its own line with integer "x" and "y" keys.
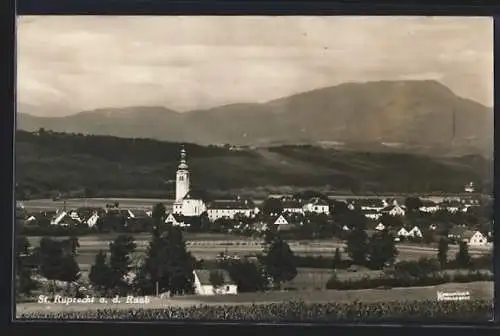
{"x": 477, "y": 290}
{"x": 208, "y": 246}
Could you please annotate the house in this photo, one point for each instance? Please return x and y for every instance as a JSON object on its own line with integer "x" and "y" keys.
{"x": 92, "y": 220}
{"x": 469, "y": 187}
{"x": 372, "y": 214}
{"x": 402, "y": 232}
{"x": 63, "y": 219}
{"x": 433, "y": 227}
{"x": 229, "y": 209}
{"x": 394, "y": 210}
{"x": 380, "y": 227}
{"x": 317, "y": 205}
{"x": 428, "y": 206}
{"x": 415, "y": 232}
{"x": 371, "y": 204}
{"x": 279, "y": 220}
{"x": 477, "y": 239}
{"x": 473, "y": 238}
{"x": 203, "y": 285}
{"x": 175, "y": 219}
{"x": 456, "y": 232}
{"x": 292, "y": 205}
{"x": 452, "y": 206}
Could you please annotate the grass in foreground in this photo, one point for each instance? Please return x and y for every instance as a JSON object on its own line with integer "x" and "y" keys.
{"x": 410, "y": 311}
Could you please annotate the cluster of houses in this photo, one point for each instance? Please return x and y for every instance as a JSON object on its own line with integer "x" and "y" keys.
{"x": 244, "y": 215}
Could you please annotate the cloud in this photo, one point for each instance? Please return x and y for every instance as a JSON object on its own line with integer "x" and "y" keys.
{"x": 186, "y": 63}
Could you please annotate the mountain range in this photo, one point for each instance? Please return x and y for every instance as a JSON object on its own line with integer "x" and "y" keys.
{"x": 422, "y": 117}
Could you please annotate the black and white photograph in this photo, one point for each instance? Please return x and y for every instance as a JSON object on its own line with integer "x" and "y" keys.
{"x": 271, "y": 169}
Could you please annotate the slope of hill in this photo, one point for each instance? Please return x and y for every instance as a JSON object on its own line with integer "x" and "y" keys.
{"x": 110, "y": 166}
{"x": 406, "y": 116}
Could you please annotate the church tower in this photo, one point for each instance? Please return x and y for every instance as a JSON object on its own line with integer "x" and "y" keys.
{"x": 182, "y": 178}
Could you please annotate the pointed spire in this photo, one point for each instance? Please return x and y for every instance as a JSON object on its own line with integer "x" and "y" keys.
{"x": 183, "y": 164}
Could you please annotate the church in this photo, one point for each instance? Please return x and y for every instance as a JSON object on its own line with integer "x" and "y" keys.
{"x": 185, "y": 204}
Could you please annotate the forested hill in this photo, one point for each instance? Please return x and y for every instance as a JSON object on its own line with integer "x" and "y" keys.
{"x": 109, "y": 166}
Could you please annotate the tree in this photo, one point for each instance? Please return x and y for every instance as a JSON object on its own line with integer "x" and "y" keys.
{"x": 216, "y": 278}
{"x": 70, "y": 270}
{"x": 337, "y": 259}
{"x": 100, "y": 272}
{"x": 168, "y": 265}
{"x": 120, "y": 261}
{"x": 443, "y": 249}
{"x": 73, "y": 244}
{"x": 272, "y": 206}
{"x": 462, "y": 258}
{"x": 56, "y": 263}
{"x": 158, "y": 213}
{"x": 382, "y": 249}
{"x": 247, "y": 275}
{"x": 412, "y": 204}
{"x": 24, "y": 281}
{"x": 181, "y": 263}
{"x": 357, "y": 246}
{"x": 279, "y": 262}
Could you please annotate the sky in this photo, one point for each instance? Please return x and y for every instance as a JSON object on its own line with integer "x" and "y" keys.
{"x": 69, "y": 64}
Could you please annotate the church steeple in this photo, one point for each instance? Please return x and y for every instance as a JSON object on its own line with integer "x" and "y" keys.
{"x": 182, "y": 162}
{"x": 182, "y": 177}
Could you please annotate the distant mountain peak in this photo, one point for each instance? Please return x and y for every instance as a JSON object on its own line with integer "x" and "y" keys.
{"x": 423, "y": 115}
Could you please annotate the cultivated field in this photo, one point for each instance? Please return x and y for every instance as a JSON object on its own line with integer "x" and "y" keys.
{"x": 209, "y": 246}
{"x": 477, "y": 290}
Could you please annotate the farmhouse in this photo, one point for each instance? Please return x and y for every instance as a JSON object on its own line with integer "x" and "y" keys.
{"x": 317, "y": 205}
{"x": 371, "y": 204}
{"x": 372, "y": 214}
{"x": 63, "y": 219}
{"x": 474, "y": 238}
{"x": 292, "y": 205}
{"x": 402, "y": 232}
{"x": 428, "y": 206}
{"x": 175, "y": 219}
{"x": 229, "y": 209}
{"x": 415, "y": 232}
{"x": 452, "y": 206}
{"x": 394, "y": 210}
{"x": 204, "y": 286}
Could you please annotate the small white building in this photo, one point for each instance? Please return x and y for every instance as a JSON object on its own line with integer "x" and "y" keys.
{"x": 92, "y": 220}
{"x": 428, "y": 206}
{"x": 203, "y": 285}
{"x": 372, "y": 214}
{"x": 229, "y": 209}
{"x": 281, "y": 220}
{"x": 371, "y": 204}
{"x": 380, "y": 227}
{"x": 469, "y": 187}
{"x": 415, "y": 232}
{"x": 292, "y": 206}
{"x": 394, "y": 210}
{"x": 63, "y": 219}
{"x": 475, "y": 238}
{"x": 317, "y": 205}
{"x": 175, "y": 220}
{"x": 402, "y": 232}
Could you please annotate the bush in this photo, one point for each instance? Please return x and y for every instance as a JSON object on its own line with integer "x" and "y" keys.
{"x": 413, "y": 311}
{"x": 406, "y": 280}
{"x": 319, "y": 262}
